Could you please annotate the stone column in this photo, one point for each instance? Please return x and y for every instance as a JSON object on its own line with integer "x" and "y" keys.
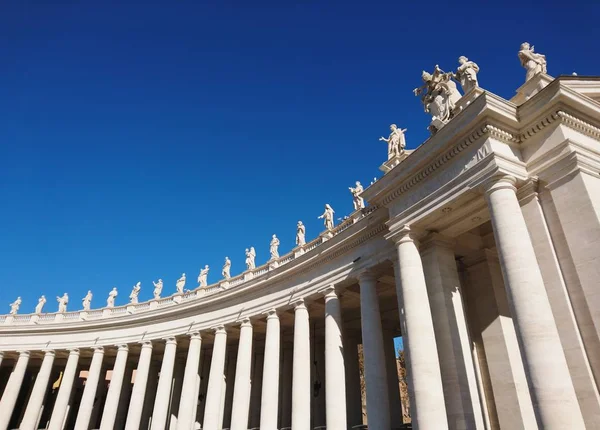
{"x": 353, "y": 398}
{"x": 424, "y": 379}
{"x": 136, "y": 403}
{"x": 114, "y": 390}
{"x": 378, "y": 405}
{"x": 185, "y": 420}
{"x": 391, "y": 369}
{"x": 89, "y": 392}
{"x": 229, "y": 379}
{"x": 11, "y": 392}
{"x": 335, "y": 369}
{"x": 163, "y": 392}
{"x": 552, "y": 390}
{"x": 241, "y": 389}
{"x": 301, "y": 369}
{"x": 214, "y": 395}
{"x": 59, "y": 413}
{"x": 286, "y": 385}
{"x": 463, "y": 408}
{"x": 34, "y": 406}
{"x": 270, "y": 386}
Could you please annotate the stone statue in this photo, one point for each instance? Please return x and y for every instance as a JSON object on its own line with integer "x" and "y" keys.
{"x": 439, "y": 96}
{"x": 40, "y": 305}
{"x": 203, "y": 277}
{"x": 87, "y": 301}
{"x": 327, "y": 217}
{"x": 14, "y": 306}
{"x": 135, "y": 292}
{"x": 300, "y": 234}
{"x": 158, "y": 286}
{"x": 110, "y": 302}
{"x": 533, "y": 62}
{"x": 466, "y": 74}
{"x": 250, "y": 257}
{"x": 180, "y": 284}
{"x": 396, "y": 141}
{"x": 226, "y": 272}
{"x": 63, "y": 302}
{"x": 274, "y": 249}
{"x": 359, "y": 202}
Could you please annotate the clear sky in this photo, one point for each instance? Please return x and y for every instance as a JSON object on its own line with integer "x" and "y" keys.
{"x": 142, "y": 140}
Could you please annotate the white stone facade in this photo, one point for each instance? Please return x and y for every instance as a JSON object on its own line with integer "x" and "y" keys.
{"x": 481, "y": 248}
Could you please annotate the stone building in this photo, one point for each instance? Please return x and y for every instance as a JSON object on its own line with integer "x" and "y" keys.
{"x": 481, "y": 248}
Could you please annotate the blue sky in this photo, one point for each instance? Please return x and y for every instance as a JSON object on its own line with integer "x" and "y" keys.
{"x": 142, "y": 140}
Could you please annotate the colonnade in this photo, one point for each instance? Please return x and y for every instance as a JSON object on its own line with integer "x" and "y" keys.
{"x": 442, "y": 375}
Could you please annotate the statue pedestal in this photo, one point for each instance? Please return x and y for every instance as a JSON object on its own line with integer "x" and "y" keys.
{"x": 531, "y": 88}
{"x": 248, "y": 275}
{"x": 224, "y": 284}
{"x": 106, "y": 312}
{"x": 154, "y": 304}
{"x": 83, "y": 315}
{"x": 34, "y": 319}
{"x": 298, "y": 251}
{"x": 326, "y": 235}
{"x": 467, "y": 99}
{"x": 273, "y": 264}
{"x": 130, "y": 309}
{"x": 394, "y": 161}
{"x": 177, "y": 298}
{"x": 9, "y": 319}
{"x": 59, "y": 317}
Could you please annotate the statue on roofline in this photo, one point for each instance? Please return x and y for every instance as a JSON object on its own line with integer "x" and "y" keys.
{"x": 439, "y": 96}
{"x": 533, "y": 62}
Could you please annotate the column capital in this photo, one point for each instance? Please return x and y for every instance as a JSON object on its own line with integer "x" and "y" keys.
{"x": 245, "y": 322}
{"x": 98, "y": 349}
{"x": 271, "y": 314}
{"x": 329, "y": 292}
{"x": 73, "y": 351}
{"x": 366, "y": 275}
{"x": 219, "y": 329}
{"x": 24, "y": 353}
{"x": 299, "y": 304}
{"x": 402, "y": 234}
{"x": 170, "y": 340}
{"x": 123, "y": 347}
{"x": 146, "y": 344}
{"x": 499, "y": 182}
{"x": 47, "y": 352}
{"x": 195, "y": 335}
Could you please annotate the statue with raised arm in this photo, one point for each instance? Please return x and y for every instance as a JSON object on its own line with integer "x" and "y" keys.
{"x": 359, "y": 202}
{"x": 158, "y": 286}
{"x": 300, "y": 234}
{"x": 62, "y": 302}
{"x": 250, "y": 258}
{"x": 226, "y": 272}
{"x": 533, "y": 62}
{"x": 135, "y": 292}
{"x": 327, "y": 217}
{"x": 466, "y": 74}
{"x": 110, "y": 302}
{"x": 87, "y": 301}
{"x": 14, "y": 306}
{"x": 274, "y": 248}
{"x": 40, "y": 305}
{"x": 396, "y": 141}
{"x": 439, "y": 96}
{"x": 180, "y": 284}
{"x": 203, "y": 277}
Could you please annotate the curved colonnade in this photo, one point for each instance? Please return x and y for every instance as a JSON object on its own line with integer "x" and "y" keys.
{"x": 468, "y": 250}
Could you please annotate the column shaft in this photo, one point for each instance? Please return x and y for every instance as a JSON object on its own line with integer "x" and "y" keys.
{"x": 301, "y": 369}
{"x": 214, "y": 393}
{"x": 353, "y": 397}
{"x": 550, "y": 382}
{"x": 378, "y": 405}
{"x": 11, "y": 392}
{"x": 286, "y": 385}
{"x": 163, "y": 392}
{"x": 335, "y": 369}
{"x": 425, "y": 388}
{"x": 136, "y": 404}
{"x": 185, "y": 419}
{"x": 114, "y": 390}
{"x": 32, "y": 413}
{"x": 270, "y": 386}
{"x": 59, "y": 413}
{"x": 241, "y": 389}
{"x": 89, "y": 392}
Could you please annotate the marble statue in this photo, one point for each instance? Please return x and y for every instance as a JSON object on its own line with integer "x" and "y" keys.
{"x": 274, "y": 249}
{"x": 87, "y": 301}
{"x": 250, "y": 258}
{"x": 14, "y": 306}
{"x": 226, "y": 272}
{"x": 466, "y": 74}
{"x": 40, "y": 305}
{"x": 396, "y": 141}
{"x": 135, "y": 292}
{"x": 327, "y": 217}
{"x": 203, "y": 277}
{"x": 300, "y": 234}
{"x": 359, "y": 202}
{"x": 439, "y": 96}
{"x": 110, "y": 302}
{"x": 533, "y": 62}
{"x": 63, "y": 302}
{"x": 158, "y": 286}
{"x": 180, "y": 284}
